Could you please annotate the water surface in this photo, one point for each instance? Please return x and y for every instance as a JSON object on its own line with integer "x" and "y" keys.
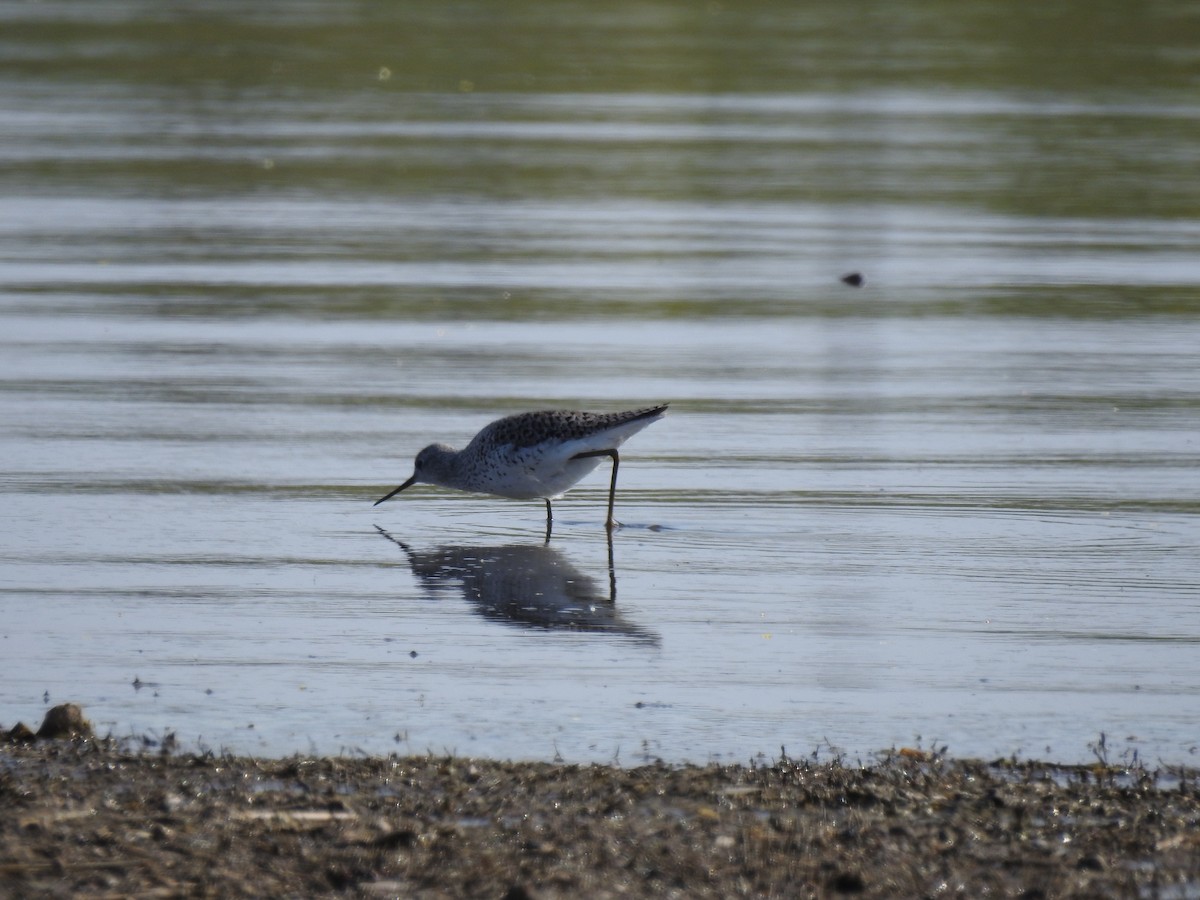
{"x": 251, "y": 264}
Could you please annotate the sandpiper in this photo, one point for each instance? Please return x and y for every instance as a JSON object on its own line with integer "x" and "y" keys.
{"x": 533, "y": 455}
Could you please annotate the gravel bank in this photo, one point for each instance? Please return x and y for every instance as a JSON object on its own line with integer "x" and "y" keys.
{"x": 91, "y": 818}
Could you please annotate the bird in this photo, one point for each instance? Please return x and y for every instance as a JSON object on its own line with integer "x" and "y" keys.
{"x": 533, "y": 455}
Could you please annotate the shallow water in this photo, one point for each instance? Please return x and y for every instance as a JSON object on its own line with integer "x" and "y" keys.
{"x": 956, "y": 506}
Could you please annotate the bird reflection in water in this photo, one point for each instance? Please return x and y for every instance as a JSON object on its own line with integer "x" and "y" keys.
{"x": 528, "y": 585}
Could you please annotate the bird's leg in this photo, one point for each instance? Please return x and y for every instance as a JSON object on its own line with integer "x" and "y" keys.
{"x": 549, "y": 519}
{"x": 612, "y": 570}
{"x": 612, "y": 491}
{"x": 612, "y": 487}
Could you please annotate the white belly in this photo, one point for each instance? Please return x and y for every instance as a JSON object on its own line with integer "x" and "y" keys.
{"x": 534, "y": 473}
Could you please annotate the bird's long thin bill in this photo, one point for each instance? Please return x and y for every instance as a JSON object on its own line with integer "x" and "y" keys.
{"x": 408, "y": 483}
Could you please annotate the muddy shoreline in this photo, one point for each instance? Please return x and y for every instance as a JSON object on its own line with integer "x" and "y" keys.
{"x": 92, "y": 817}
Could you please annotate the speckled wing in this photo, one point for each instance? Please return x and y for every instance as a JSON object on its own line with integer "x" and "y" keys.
{"x": 532, "y": 428}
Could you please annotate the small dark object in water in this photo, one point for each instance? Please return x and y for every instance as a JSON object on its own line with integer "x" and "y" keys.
{"x": 854, "y": 279}
{"x": 65, "y": 721}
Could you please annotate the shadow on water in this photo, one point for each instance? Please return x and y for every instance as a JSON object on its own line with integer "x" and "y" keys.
{"x": 532, "y": 586}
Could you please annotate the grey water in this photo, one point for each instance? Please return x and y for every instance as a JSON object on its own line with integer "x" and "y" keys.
{"x": 251, "y": 262}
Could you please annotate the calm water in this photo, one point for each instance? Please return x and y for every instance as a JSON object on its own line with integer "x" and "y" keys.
{"x": 250, "y": 264}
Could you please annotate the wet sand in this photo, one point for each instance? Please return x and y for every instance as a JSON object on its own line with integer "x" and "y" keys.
{"x": 92, "y": 818}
